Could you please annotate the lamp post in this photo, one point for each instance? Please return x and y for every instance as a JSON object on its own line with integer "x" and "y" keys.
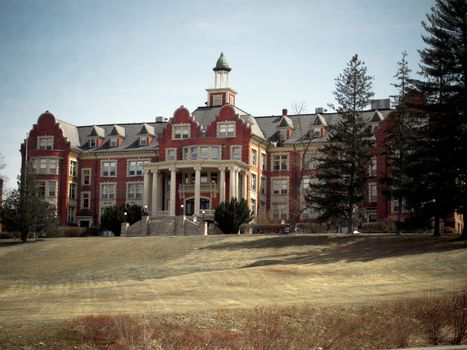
{"x": 124, "y": 216}
{"x": 145, "y": 213}
{"x": 204, "y": 212}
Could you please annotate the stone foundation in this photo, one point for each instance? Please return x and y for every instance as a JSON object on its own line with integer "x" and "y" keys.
{"x": 169, "y": 226}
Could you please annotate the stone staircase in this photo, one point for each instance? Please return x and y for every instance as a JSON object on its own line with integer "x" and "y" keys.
{"x": 168, "y": 226}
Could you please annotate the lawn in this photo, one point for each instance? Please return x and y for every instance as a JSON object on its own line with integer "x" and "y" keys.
{"x": 59, "y": 279}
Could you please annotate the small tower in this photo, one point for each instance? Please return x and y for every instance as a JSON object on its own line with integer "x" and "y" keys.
{"x": 221, "y": 93}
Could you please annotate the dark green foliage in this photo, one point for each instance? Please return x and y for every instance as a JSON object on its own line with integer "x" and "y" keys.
{"x": 441, "y": 152}
{"x": 25, "y": 210}
{"x": 229, "y": 216}
{"x": 114, "y": 216}
{"x": 342, "y": 166}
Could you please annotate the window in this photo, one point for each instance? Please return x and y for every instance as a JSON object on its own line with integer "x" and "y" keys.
{"x": 204, "y": 153}
{"x": 262, "y": 161}
{"x": 280, "y": 162}
{"x": 86, "y": 177}
{"x": 114, "y": 142}
{"x": 253, "y": 182}
{"x": 85, "y": 200}
{"x": 194, "y": 153}
{"x": 213, "y": 178}
{"x": 73, "y": 167}
{"x": 236, "y": 153}
{"x": 395, "y": 205}
{"x": 72, "y": 191}
{"x": 226, "y": 130}
{"x": 253, "y": 206}
{"x": 47, "y": 189}
{"x": 171, "y": 154}
{"x": 262, "y": 185}
{"x": 109, "y": 168}
{"x": 204, "y": 178}
{"x": 372, "y": 193}
{"x": 317, "y": 132}
{"x": 254, "y": 156}
{"x": 135, "y": 167}
{"x": 45, "y": 142}
{"x": 71, "y": 214}
{"x": 181, "y": 131}
{"x": 92, "y": 143}
{"x": 185, "y": 153}
{"x": 143, "y": 140}
{"x": 215, "y": 153}
{"x": 280, "y": 186}
{"x": 108, "y": 191}
{"x": 372, "y": 167}
{"x": 135, "y": 191}
{"x": 217, "y": 100}
{"x": 279, "y": 211}
{"x": 45, "y": 166}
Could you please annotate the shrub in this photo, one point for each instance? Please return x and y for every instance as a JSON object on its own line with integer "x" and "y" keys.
{"x": 457, "y": 311}
{"x": 432, "y": 314}
{"x": 229, "y": 216}
{"x": 373, "y": 227}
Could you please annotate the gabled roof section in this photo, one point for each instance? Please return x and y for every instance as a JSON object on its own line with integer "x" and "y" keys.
{"x": 377, "y": 116}
{"x": 97, "y": 131}
{"x": 117, "y": 130}
{"x": 285, "y": 122}
{"x": 147, "y": 130}
{"x": 70, "y": 131}
{"x": 319, "y": 120}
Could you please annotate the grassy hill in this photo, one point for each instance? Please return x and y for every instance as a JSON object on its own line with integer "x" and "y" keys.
{"x": 57, "y": 279}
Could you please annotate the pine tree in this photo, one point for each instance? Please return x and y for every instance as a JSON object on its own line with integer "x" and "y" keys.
{"x": 230, "y": 215}
{"x": 442, "y": 150}
{"x": 399, "y": 137}
{"x": 25, "y": 210}
{"x": 341, "y": 169}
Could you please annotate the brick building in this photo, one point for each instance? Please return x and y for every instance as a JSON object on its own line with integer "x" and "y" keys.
{"x": 190, "y": 163}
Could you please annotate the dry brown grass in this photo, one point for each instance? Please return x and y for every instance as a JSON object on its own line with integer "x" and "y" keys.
{"x": 60, "y": 279}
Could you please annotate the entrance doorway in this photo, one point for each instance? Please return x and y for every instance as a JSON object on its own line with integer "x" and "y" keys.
{"x": 204, "y": 203}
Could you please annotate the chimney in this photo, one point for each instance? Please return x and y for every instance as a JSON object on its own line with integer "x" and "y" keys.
{"x": 284, "y": 112}
{"x": 319, "y": 110}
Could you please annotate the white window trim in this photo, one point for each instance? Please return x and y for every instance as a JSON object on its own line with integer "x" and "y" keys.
{"x": 81, "y": 204}
{"x": 167, "y": 150}
{"x": 127, "y": 195}
{"x": 76, "y": 190}
{"x": 253, "y": 150}
{"x": 282, "y": 179}
{"x": 143, "y": 160}
{"x": 92, "y": 139}
{"x": 76, "y": 168}
{"x": 102, "y": 192}
{"x": 219, "y": 124}
{"x": 231, "y": 151}
{"x": 82, "y": 176}
{"x": 102, "y": 167}
{"x": 47, "y": 159}
{"x": 280, "y": 155}
{"x": 255, "y": 190}
{"x": 181, "y": 125}
{"x": 42, "y": 137}
{"x": 143, "y": 141}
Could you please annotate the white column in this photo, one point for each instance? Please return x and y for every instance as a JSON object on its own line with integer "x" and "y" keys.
{"x": 237, "y": 183}
{"x": 222, "y": 185}
{"x": 155, "y": 192}
{"x": 173, "y": 185}
{"x": 232, "y": 182}
{"x": 197, "y": 189}
{"x": 147, "y": 188}
{"x": 160, "y": 186}
{"x": 245, "y": 185}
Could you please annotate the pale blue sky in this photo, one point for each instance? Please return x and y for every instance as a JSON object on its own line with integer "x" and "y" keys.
{"x": 114, "y": 61}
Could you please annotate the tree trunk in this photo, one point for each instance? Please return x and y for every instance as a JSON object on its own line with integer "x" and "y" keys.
{"x": 399, "y": 216}
{"x": 436, "y": 232}
{"x": 463, "y": 235}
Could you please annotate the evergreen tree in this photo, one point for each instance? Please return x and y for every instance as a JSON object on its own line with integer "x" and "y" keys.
{"x": 25, "y": 210}
{"x": 399, "y": 137}
{"x": 229, "y": 216}
{"x": 442, "y": 168}
{"x": 114, "y": 216}
{"x": 341, "y": 168}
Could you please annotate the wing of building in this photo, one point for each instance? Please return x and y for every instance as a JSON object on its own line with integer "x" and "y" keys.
{"x": 188, "y": 164}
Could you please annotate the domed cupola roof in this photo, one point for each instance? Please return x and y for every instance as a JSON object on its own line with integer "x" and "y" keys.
{"x": 222, "y": 64}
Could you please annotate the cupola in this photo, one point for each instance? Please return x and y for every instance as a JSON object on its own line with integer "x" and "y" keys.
{"x": 221, "y": 94}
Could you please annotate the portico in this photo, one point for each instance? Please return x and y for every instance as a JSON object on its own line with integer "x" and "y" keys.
{"x": 193, "y": 184}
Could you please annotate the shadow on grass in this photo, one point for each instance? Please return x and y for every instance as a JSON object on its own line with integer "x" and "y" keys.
{"x": 333, "y": 249}
{"x": 13, "y": 242}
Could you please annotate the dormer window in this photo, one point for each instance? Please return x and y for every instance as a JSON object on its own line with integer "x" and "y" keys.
{"x": 317, "y": 132}
{"x": 113, "y": 142}
{"x": 45, "y": 142}
{"x": 226, "y": 129}
{"x": 143, "y": 141}
{"x": 181, "y": 131}
{"x": 93, "y": 143}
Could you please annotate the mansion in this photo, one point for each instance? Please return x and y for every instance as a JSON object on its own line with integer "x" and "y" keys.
{"x": 188, "y": 164}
